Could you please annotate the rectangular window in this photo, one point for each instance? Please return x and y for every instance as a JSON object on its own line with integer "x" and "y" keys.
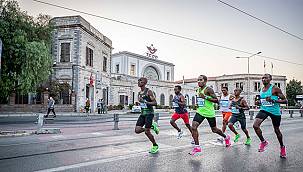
{"x": 278, "y": 85}
{"x": 224, "y": 85}
{"x": 104, "y": 64}
{"x": 65, "y": 52}
{"x": 167, "y": 76}
{"x": 132, "y": 70}
{"x": 239, "y": 85}
{"x": 257, "y": 86}
{"x": 117, "y": 68}
{"x": 89, "y": 57}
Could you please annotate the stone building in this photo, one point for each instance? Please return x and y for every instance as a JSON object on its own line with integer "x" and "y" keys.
{"x": 81, "y": 56}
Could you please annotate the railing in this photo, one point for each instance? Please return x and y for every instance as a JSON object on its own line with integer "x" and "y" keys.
{"x": 120, "y": 117}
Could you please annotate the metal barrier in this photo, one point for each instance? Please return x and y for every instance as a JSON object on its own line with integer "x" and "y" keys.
{"x": 126, "y": 117}
{"x": 116, "y": 121}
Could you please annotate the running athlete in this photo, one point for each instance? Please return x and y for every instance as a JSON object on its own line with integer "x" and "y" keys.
{"x": 180, "y": 111}
{"x": 205, "y": 100}
{"x": 224, "y": 107}
{"x": 147, "y": 101}
{"x": 270, "y": 99}
{"x": 237, "y": 106}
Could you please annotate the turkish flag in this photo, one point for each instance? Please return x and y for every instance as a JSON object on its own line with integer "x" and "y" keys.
{"x": 91, "y": 80}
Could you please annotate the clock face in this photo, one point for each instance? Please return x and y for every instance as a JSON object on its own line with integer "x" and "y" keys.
{"x": 151, "y": 73}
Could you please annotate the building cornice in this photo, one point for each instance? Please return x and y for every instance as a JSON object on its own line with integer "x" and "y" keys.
{"x": 138, "y": 56}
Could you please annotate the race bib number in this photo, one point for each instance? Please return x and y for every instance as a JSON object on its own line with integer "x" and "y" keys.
{"x": 265, "y": 103}
{"x": 175, "y": 105}
{"x": 224, "y": 103}
{"x": 143, "y": 105}
{"x": 234, "y": 110}
{"x": 200, "y": 102}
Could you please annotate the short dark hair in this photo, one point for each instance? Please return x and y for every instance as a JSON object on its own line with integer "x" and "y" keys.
{"x": 270, "y": 77}
{"x": 179, "y": 87}
{"x": 224, "y": 88}
{"x": 204, "y": 77}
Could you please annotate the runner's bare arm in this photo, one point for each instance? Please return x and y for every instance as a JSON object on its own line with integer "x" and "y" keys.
{"x": 244, "y": 105}
{"x": 152, "y": 97}
{"x": 212, "y": 96}
{"x": 182, "y": 102}
{"x": 282, "y": 99}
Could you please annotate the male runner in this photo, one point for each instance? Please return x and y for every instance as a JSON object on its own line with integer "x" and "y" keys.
{"x": 225, "y": 100}
{"x": 205, "y": 100}
{"x": 180, "y": 111}
{"x": 238, "y": 105}
{"x": 270, "y": 99}
{"x": 147, "y": 101}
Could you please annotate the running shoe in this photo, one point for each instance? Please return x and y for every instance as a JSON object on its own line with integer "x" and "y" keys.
{"x": 180, "y": 134}
{"x": 237, "y": 138}
{"x": 263, "y": 146}
{"x": 192, "y": 142}
{"x": 283, "y": 152}
{"x": 248, "y": 141}
{"x": 196, "y": 151}
{"x": 155, "y": 128}
{"x": 154, "y": 149}
{"x": 227, "y": 140}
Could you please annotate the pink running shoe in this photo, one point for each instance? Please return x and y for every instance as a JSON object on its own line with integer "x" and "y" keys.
{"x": 283, "y": 152}
{"x": 227, "y": 140}
{"x": 196, "y": 151}
{"x": 262, "y": 146}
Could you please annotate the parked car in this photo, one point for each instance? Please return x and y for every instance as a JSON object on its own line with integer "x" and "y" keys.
{"x": 136, "y": 109}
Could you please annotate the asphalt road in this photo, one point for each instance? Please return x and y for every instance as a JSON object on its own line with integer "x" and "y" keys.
{"x": 96, "y": 147}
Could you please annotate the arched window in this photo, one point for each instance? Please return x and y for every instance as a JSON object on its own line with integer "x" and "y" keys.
{"x": 193, "y": 100}
{"x": 151, "y": 73}
{"x": 162, "y": 99}
{"x": 171, "y": 100}
{"x": 186, "y": 99}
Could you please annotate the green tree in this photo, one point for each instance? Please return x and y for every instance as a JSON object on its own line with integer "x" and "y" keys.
{"x": 26, "y": 57}
{"x": 293, "y": 88}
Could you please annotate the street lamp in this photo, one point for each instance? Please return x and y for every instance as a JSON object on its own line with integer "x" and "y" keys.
{"x": 248, "y": 80}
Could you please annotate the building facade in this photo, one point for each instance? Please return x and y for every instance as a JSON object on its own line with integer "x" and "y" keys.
{"x": 82, "y": 57}
{"x": 128, "y": 67}
{"x": 250, "y": 84}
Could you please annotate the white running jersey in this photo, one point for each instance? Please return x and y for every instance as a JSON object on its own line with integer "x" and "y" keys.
{"x": 224, "y": 103}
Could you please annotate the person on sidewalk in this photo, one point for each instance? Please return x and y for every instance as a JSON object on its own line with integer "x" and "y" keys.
{"x": 103, "y": 106}
{"x": 87, "y": 105}
{"x": 206, "y": 98}
{"x": 147, "y": 100}
{"x": 179, "y": 105}
{"x": 50, "y": 107}
{"x": 237, "y": 106}
{"x": 270, "y": 99}
{"x": 99, "y": 104}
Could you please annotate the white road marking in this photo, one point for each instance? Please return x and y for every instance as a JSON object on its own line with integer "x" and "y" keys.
{"x": 163, "y": 148}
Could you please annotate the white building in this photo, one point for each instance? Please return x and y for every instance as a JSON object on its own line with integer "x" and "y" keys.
{"x": 81, "y": 56}
{"x": 128, "y": 67}
{"x": 241, "y": 81}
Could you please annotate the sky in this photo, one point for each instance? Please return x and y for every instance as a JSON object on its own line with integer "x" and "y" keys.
{"x": 204, "y": 20}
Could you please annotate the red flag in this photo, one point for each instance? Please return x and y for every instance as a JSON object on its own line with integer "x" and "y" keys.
{"x": 91, "y": 80}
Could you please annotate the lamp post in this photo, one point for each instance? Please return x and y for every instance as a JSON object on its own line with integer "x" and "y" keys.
{"x": 248, "y": 79}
